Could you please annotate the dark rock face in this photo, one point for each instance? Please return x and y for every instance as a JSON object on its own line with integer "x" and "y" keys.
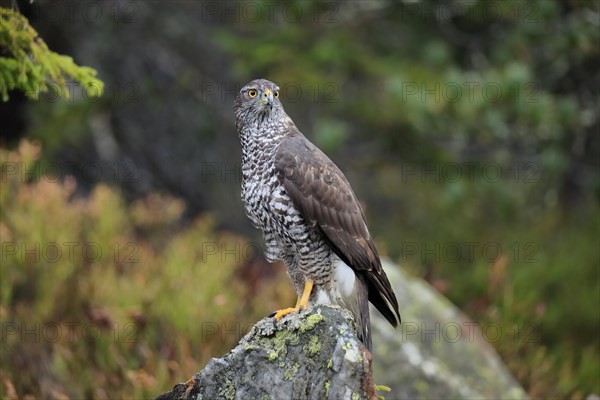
{"x": 311, "y": 355}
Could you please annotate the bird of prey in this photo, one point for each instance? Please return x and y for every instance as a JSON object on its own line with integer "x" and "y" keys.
{"x": 309, "y": 215}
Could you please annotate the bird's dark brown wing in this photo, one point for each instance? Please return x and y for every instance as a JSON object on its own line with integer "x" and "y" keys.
{"x": 323, "y": 195}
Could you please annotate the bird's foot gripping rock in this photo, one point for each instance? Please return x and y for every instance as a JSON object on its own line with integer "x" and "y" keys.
{"x": 301, "y": 304}
{"x": 277, "y": 315}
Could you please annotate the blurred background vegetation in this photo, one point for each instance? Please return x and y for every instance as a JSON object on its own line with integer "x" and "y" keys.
{"x": 470, "y": 130}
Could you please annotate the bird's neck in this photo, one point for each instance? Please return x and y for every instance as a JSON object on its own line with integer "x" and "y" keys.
{"x": 261, "y": 134}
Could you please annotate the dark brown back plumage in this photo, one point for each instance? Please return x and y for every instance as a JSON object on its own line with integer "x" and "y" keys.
{"x": 326, "y": 201}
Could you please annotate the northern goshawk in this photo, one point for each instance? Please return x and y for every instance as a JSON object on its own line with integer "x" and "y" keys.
{"x": 309, "y": 215}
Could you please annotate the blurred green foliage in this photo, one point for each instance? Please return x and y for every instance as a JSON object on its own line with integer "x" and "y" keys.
{"x": 400, "y": 95}
{"x": 492, "y": 85}
{"x": 532, "y": 274}
{"x": 32, "y": 67}
{"x": 104, "y": 300}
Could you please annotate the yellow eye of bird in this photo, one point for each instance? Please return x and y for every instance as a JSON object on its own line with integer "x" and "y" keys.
{"x": 276, "y": 95}
{"x": 252, "y": 93}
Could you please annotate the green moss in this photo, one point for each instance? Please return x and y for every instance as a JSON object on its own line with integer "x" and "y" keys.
{"x": 277, "y": 345}
{"x": 291, "y": 372}
{"x": 327, "y": 386}
{"x": 293, "y": 339}
{"x": 265, "y": 397}
{"x": 310, "y": 322}
{"x": 355, "y": 396}
{"x": 314, "y": 345}
{"x": 228, "y": 391}
{"x": 251, "y": 346}
{"x": 330, "y": 362}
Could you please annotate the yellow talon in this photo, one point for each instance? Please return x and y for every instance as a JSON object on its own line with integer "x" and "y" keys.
{"x": 301, "y": 304}
{"x": 281, "y": 313}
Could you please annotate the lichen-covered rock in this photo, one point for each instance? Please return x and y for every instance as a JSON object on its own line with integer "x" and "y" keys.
{"x": 438, "y": 352}
{"x": 311, "y": 355}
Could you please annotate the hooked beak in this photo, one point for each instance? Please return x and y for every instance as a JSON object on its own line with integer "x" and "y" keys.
{"x": 267, "y": 99}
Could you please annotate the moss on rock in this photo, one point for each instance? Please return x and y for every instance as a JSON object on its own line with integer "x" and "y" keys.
{"x": 315, "y": 353}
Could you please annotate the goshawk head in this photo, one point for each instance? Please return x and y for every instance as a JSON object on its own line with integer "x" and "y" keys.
{"x": 258, "y": 102}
